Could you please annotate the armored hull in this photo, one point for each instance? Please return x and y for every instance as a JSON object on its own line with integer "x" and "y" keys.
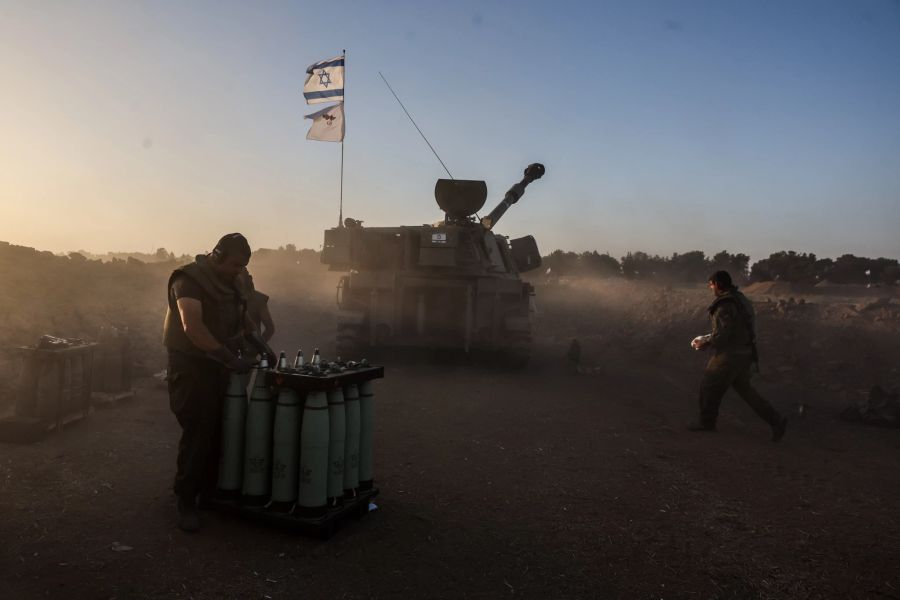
{"x": 455, "y": 284}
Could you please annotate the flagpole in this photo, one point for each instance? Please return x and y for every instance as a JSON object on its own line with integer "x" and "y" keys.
{"x": 341, "y": 209}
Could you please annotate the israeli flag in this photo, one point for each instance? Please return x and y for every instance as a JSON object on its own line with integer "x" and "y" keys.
{"x": 325, "y": 81}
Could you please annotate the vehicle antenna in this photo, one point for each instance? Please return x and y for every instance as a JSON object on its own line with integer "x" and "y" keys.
{"x": 341, "y": 209}
{"x": 414, "y": 124}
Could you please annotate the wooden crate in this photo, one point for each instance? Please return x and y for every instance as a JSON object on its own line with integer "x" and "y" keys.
{"x": 54, "y": 389}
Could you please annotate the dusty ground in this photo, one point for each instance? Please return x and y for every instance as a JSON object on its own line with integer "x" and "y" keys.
{"x": 495, "y": 484}
{"x": 539, "y": 485}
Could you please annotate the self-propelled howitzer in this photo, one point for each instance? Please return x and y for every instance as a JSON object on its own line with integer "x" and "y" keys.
{"x": 453, "y": 284}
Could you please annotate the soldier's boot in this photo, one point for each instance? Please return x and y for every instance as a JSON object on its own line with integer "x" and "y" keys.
{"x": 188, "y": 517}
{"x": 779, "y": 427}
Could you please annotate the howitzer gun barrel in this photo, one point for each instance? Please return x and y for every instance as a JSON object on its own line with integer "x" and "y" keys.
{"x": 534, "y": 171}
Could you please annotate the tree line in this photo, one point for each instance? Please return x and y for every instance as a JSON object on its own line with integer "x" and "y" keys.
{"x": 695, "y": 266}
{"x": 689, "y": 267}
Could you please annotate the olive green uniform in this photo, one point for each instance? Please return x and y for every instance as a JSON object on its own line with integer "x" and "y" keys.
{"x": 196, "y": 382}
{"x": 733, "y": 342}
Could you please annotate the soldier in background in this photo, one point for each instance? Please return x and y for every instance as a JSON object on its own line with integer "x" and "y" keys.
{"x": 202, "y": 333}
{"x": 257, "y": 307}
{"x": 733, "y": 340}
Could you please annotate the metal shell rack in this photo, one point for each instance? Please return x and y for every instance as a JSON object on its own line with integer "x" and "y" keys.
{"x": 312, "y": 410}
{"x": 303, "y": 383}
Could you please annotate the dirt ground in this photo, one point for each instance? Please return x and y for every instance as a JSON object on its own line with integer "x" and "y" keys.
{"x": 497, "y": 484}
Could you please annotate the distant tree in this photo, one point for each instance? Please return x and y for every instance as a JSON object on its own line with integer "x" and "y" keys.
{"x": 640, "y": 265}
{"x": 161, "y": 255}
{"x": 690, "y": 266}
{"x": 859, "y": 270}
{"x": 821, "y": 268}
{"x": 738, "y": 265}
{"x": 787, "y": 266}
{"x": 77, "y": 257}
{"x": 561, "y": 262}
{"x": 881, "y": 270}
{"x": 629, "y": 266}
{"x": 598, "y": 265}
{"x": 891, "y": 275}
{"x": 693, "y": 266}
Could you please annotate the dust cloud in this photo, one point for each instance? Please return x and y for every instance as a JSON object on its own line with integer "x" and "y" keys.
{"x": 820, "y": 348}
{"x": 824, "y": 345}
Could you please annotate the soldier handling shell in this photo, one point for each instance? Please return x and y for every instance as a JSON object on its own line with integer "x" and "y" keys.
{"x": 733, "y": 343}
{"x": 260, "y": 319}
{"x": 202, "y": 332}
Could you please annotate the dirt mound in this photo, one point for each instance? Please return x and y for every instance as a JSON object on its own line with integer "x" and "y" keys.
{"x": 827, "y": 283}
{"x": 73, "y": 297}
{"x": 851, "y": 290}
{"x": 771, "y": 288}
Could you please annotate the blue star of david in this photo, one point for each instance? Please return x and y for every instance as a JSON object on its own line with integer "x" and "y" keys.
{"x": 324, "y": 78}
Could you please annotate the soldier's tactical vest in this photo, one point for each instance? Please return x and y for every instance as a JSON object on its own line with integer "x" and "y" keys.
{"x": 223, "y": 309}
{"x": 745, "y": 338}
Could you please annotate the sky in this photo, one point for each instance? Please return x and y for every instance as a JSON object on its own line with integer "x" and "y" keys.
{"x": 665, "y": 126}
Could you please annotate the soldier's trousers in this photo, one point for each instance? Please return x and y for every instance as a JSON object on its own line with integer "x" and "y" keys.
{"x": 196, "y": 395}
{"x": 731, "y": 370}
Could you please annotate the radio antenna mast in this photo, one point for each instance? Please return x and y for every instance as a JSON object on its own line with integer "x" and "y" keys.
{"x": 414, "y": 124}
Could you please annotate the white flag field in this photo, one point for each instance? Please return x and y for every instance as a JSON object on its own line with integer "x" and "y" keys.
{"x": 325, "y": 81}
{"x": 328, "y": 124}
